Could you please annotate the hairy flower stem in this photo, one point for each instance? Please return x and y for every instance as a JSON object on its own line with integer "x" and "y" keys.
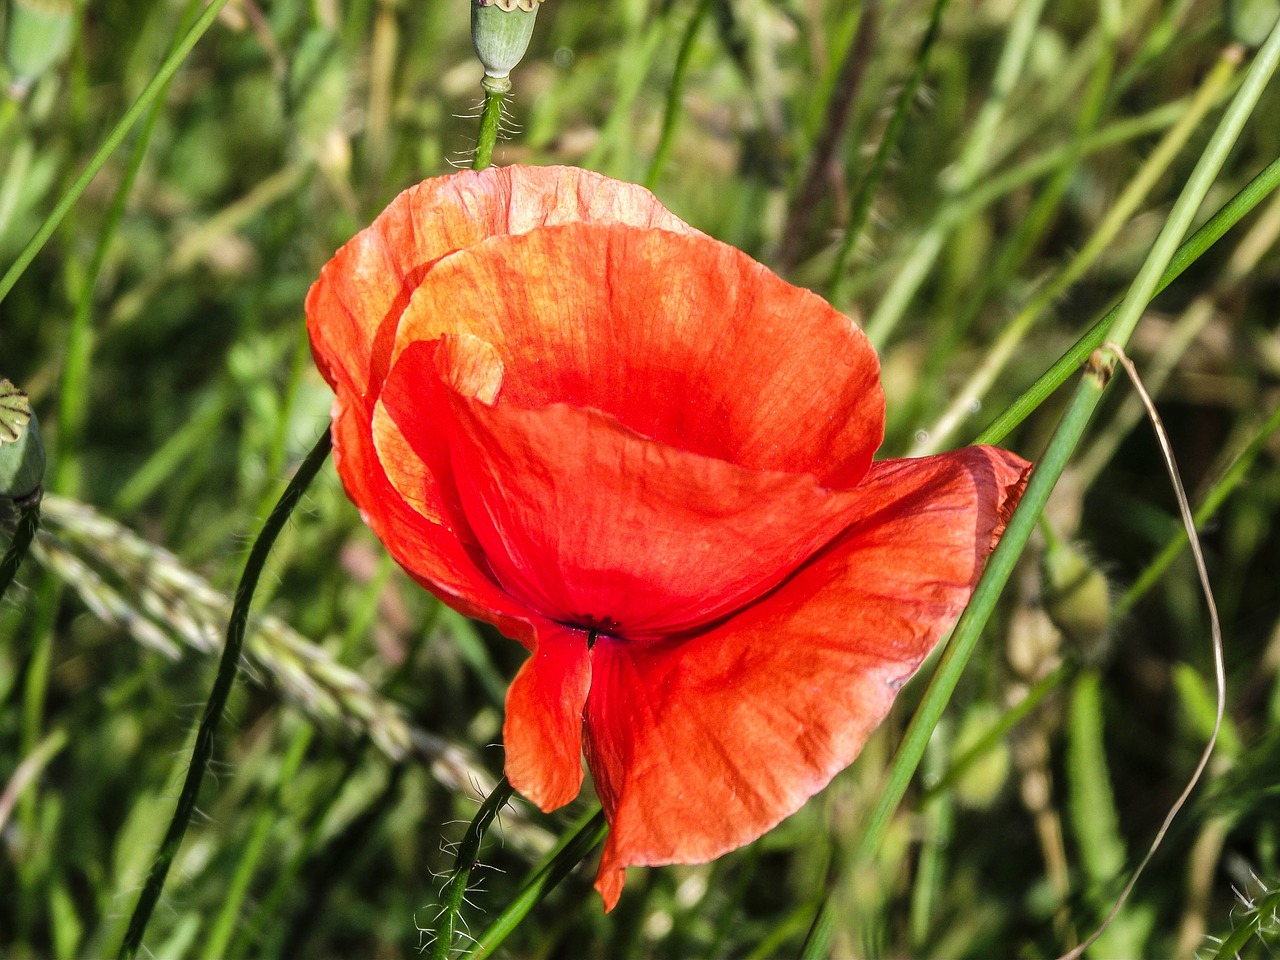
{"x": 228, "y": 667}
{"x": 28, "y": 523}
{"x": 559, "y": 863}
{"x": 495, "y": 92}
{"x": 455, "y": 891}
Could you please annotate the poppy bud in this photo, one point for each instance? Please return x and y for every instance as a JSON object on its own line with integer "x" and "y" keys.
{"x": 500, "y": 32}
{"x": 21, "y": 452}
{"x": 36, "y": 38}
{"x": 1250, "y": 21}
{"x": 1077, "y": 597}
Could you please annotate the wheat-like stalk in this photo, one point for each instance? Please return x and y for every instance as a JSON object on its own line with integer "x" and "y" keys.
{"x": 129, "y": 582}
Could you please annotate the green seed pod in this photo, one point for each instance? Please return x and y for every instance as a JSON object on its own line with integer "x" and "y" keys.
{"x": 21, "y": 452}
{"x": 500, "y": 32}
{"x": 980, "y": 783}
{"x": 1076, "y": 595}
{"x": 1250, "y": 21}
{"x": 37, "y": 37}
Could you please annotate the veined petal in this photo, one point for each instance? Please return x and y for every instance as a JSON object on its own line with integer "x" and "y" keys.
{"x": 354, "y": 307}
{"x": 430, "y": 551}
{"x": 542, "y": 733}
{"x": 590, "y": 524}
{"x": 682, "y": 339}
{"x": 699, "y": 745}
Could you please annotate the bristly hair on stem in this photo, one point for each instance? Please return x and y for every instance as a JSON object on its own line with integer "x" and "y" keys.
{"x": 455, "y": 892}
{"x": 495, "y": 92}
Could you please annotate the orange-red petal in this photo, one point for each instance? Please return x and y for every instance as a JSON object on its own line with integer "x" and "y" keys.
{"x": 354, "y": 307}
{"x": 700, "y": 744}
{"x": 589, "y": 524}
{"x": 430, "y": 551}
{"x": 542, "y": 733}
{"x": 682, "y": 339}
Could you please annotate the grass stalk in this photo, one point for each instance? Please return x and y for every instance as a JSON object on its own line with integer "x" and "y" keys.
{"x": 1188, "y": 253}
{"x": 1015, "y": 331}
{"x": 860, "y": 205}
{"x": 150, "y": 92}
{"x": 675, "y": 94}
{"x": 968, "y": 167}
{"x": 1054, "y": 460}
{"x": 589, "y": 832}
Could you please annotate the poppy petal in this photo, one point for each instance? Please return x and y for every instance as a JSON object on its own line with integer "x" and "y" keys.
{"x": 431, "y": 552}
{"x": 682, "y": 339}
{"x": 699, "y": 745}
{"x": 542, "y": 733}
{"x": 592, "y": 525}
{"x": 355, "y": 305}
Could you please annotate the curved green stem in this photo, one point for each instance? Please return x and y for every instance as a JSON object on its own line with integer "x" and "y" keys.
{"x": 228, "y": 667}
{"x": 152, "y": 90}
{"x": 558, "y": 864}
{"x": 455, "y": 893}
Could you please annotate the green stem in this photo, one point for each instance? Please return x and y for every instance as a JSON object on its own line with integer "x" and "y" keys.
{"x": 674, "y": 95}
{"x": 495, "y": 91}
{"x": 1118, "y": 214}
{"x": 455, "y": 893}
{"x": 153, "y": 89}
{"x": 1049, "y": 469}
{"x": 1000, "y": 729}
{"x": 23, "y": 534}
{"x": 558, "y": 865}
{"x": 228, "y": 667}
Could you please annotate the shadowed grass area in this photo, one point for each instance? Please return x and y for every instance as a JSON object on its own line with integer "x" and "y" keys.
{"x": 976, "y": 193}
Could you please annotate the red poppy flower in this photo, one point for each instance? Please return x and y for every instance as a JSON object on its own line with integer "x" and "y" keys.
{"x": 649, "y": 460}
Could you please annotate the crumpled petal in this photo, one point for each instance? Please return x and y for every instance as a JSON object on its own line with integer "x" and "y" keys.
{"x": 542, "y": 733}
{"x": 682, "y": 339}
{"x": 355, "y": 305}
{"x": 700, "y": 744}
{"x": 431, "y": 552}
{"x": 588, "y": 523}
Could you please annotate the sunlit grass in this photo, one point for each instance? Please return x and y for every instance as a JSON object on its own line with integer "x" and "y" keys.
{"x": 159, "y": 333}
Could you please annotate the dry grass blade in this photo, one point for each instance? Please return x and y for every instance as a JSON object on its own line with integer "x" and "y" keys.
{"x": 1219, "y": 666}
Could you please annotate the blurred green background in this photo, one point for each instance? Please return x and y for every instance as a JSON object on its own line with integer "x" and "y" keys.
{"x": 160, "y": 336}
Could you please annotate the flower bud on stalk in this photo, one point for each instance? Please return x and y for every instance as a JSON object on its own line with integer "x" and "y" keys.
{"x": 37, "y": 36}
{"x": 21, "y": 452}
{"x": 500, "y": 33}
